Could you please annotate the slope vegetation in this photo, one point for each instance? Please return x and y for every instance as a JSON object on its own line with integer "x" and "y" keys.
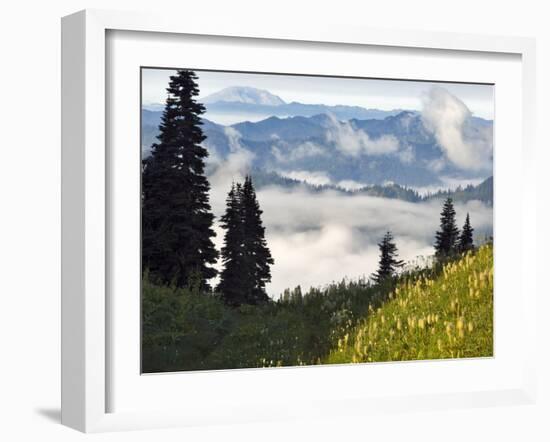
{"x": 450, "y": 316}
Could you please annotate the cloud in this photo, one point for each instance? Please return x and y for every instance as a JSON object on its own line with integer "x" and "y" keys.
{"x": 437, "y": 165}
{"x": 351, "y": 184}
{"x": 447, "y": 183}
{"x": 223, "y": 171}
{"x": 406, "y": 155}
{"x": 304, "y": 150}
{"x": 320, "y": 237}
{"x": 354, "y": 142}
{"x": 449, "y": 119}
{"x": 317, "y": 178}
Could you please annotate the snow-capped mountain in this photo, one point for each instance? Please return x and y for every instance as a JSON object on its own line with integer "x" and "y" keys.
{"x": 243, "y": 94}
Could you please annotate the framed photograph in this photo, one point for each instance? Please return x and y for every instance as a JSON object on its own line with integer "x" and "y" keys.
{"x": 250, "y": 213}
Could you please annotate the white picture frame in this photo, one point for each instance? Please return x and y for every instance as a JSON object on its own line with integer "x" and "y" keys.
{"x": 86, "y": 352}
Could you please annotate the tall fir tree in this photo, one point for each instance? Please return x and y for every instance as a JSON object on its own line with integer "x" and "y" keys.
{"x": 466, "y": 240}
{"x": 389, "y": 262}
{"x": 245, "y": 255}
{"x": 232, "y": 254}
{"x": 177, "y": 220}
{"x": 446, "y": 237}
{"x": 257, "y": 256}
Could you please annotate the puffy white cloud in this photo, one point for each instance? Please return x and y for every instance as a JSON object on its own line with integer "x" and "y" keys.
{"x": 351, "y": 184}
{"x": 465, "y": 145}
{"x": 317, "y": 178}
{"x": 354, "y": 142}
{"x": 304, "y": 150}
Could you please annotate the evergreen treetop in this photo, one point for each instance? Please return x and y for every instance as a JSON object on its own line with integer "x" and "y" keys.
{"x": 257, "y": 253}
{"x": 176, "y": 215}
{"x": 466, "y": 240}
{"x": 232, "y": 253}
{"x": 388, "y": 263}
{"x": 245, "y": 254}
{"x": 447, "y": 236}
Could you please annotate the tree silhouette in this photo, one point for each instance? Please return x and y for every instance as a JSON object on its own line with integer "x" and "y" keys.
{"x": 466, "y": 240}
{"x": 258, "y": 259}
{"x": 232, "y": 254}
{"x": 176, "y": 216}
{"x": 447, "y": 236}
{"x": 388, "y": 263}
{"x": 245, "y": 255}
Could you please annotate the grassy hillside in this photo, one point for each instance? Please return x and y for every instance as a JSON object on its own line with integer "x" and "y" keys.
{"x": 450, "y": 316}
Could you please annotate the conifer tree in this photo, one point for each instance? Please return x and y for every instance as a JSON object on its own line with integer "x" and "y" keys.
{"x": 388, "y": 263}
{"x": 447, "y": 236}
{"x": 176, "y": 215}
{"x": 466, "y": 240}
{"x": 232, "y": 254}
{"x": 257, "y": 256}
{"x": 245, "y": 255}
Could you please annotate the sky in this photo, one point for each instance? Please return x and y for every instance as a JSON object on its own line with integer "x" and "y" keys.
{"x": 368, "y": 93}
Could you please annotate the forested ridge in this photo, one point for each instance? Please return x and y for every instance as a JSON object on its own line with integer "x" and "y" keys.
{"x": 482, "y": 192}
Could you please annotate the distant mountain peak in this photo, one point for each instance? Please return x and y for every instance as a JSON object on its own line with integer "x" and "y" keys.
{"x": 244, "y": 94}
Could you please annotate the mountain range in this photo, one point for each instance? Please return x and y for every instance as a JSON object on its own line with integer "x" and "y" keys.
{"x": 397, "y": 149}
{"x": 346, "y": 147}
